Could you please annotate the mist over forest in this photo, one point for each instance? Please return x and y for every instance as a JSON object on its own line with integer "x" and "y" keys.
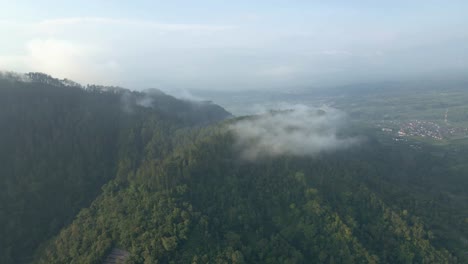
{"x": 233, "y": 132}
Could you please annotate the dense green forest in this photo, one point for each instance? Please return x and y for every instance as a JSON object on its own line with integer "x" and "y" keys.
{"x": 202, "y": 204}
{"x": 89, "y": 169}
{"x": 60, "y": 142}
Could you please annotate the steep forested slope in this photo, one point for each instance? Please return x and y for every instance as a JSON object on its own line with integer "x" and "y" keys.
{"x": 86, "y": 170}
{"x": 61, "y": 142}
{"x": 203, "y": 204}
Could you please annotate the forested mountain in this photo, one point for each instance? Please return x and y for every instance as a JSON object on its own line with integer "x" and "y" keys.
{"x": 87, "y": 170}
{"x": 60, "y": 142}
{"x": 203, "y": 204}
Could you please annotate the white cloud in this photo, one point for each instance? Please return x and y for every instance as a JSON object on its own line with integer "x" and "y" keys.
{"x": 63, "y": 22}
{"x": 67, "y": 59}
{"x": 100, "y": 50}
{"x": 186, "y": 95}
{"x": 298, "y": 130}
{"x": 255, "y": 51}
{"x": 11, "y": 63}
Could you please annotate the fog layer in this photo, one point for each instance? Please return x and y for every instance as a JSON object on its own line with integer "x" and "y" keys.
{"x": 298, "y": 130}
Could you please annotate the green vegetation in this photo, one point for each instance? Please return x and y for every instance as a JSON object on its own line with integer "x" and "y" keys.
{"x": 203, "y": 204}
{"x": 394, "y": 105}
{"x": 89, "y": 170}
{"x": 60, "y": 143}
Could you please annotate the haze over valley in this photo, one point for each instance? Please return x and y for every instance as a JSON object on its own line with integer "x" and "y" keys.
{"x": 209, "y": 132}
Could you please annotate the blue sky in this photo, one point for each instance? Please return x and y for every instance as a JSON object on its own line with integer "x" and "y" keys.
{"x": 234, "y": 44}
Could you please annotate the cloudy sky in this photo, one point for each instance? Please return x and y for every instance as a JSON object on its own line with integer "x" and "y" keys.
{"x": 233, "y": 44}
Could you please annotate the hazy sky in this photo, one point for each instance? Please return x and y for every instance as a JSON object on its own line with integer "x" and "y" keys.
{"x": 233, "y": 44}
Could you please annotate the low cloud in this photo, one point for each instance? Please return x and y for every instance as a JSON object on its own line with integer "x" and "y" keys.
{"x": 186, "y": 95}
{"x": 13, "y": 76}
{"x": 296, "y": 130}
{"x": 130, "y": 100}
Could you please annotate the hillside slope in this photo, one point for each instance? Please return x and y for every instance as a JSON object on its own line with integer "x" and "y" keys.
{"x": 203, "y": 204}
{"x": 60, "y": 142}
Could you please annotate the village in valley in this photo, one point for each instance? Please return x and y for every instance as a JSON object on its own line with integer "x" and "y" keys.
{"x": 422, "y": 129}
